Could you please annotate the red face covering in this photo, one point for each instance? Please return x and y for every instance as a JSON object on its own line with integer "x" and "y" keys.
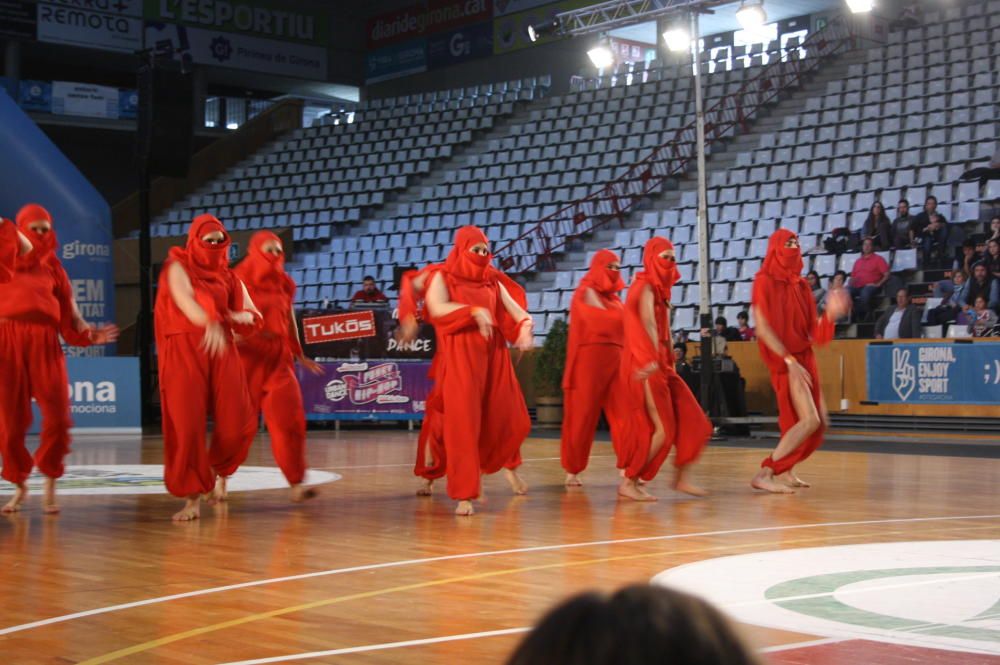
{"x": 600, "y": 277}
{"x": 260, "y": 266}
{"x": 206, "y": 259}
{"x": 780, "y": 262}
{"x": 462, "y": 262}
{"x": 43, "y": 244}
{"x": 661, "y": 273}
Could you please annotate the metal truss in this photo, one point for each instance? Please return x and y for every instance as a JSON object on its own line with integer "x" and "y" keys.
{"x": 617, "y": 13}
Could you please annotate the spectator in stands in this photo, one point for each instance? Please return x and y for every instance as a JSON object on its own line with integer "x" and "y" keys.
{"x": 638, "y": 625}
{"x": 900, "y": 323}
{"x": 983, "y": 318}
{"x": 902, "y": 238}
{"x": 928, "y": 232}
{"x": 968, "y": 258}
{"x": 870, "y": 272}
{"x": 992, "y": 258}
{"x": 681, "y": 337}
{"x": 747, "y": 333}
{"x": 982, "y": 284}
{"x": 725, "y": 331}
{"x": 369, "y": 293}
{"x": 878, "y": 227}
{"x": 953, "y": 294}
{"x": 680, "y": 359}
{"x": 995, "y": 228}
{"x": 838, "y": 281}
{"x": 812, "y": 279}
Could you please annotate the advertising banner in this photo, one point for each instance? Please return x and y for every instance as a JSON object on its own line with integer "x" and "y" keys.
{"x": 367, "y": 389}
{"x": 266, "y": 19}
{"x": 35, "y": 96}
{"x": 934, "y": 373}
{"x": 128, "y": 104}
{"x": 94, "y": 101}
{"x": 510, "y": 32}
{"x": 103, "y": 394}
{"x": 423, "y": 19}
{"x": 395, "y": 61}
{"x": 475, "y": 41}
{"x": 17, "y": 20}
{"x": 237, "y": 51}
{"x": 109, "y": 25}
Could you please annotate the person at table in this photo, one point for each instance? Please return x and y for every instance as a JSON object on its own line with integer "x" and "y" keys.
{"x": 369, "y": 292}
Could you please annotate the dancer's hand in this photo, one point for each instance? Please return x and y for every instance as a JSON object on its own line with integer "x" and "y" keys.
{"x": 646, "y": 372}
{"x": 105, "y": 334}
{"x": 26, "y": 245}
{"x": 484, "y": 320}
{"x": 838, "y": 304}
{"x": 526, "y": 337}
{"x": 796, "y": 372}
{"x": 407, "y": 330}
{"x": 311, "y": 365}
{"x": 214, "y": 341}
{"x": 241, "y": 318}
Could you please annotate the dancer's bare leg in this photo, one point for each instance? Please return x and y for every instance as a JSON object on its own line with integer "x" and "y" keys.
{"x": 190, "y": 511}
{"x": 656, "y": 441}
{"x": 425, "y": 487}
{"x": 220, "y": 493}
{"x": 682, "y": 484}
{"x": 464, "y": 508}
{"x": 573, "y": 480}
{"x": 302, "y": 493}
{"x": 515, "y": 481}
{"x": 629, "y": 488}
{"x": 16, "y": 501}
{"x": 49, "y": 504}
{"x": 809, "y": 421}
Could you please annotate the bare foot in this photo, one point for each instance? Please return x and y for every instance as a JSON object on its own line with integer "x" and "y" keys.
{"x": 300, "y": 493}
{"x": 425, "y": 487}
{"x": 764, "y": 480}
{"x": 681, "y": 484}
{"x": 517, "y": 483}
{"x": 190, "y": 511}
{"x": 796, "y": 481}
{"x": 573, "y": 480}
{"x": 220, "y": 493}
{"x": 14, "y": 505}
{"x": 49, "y": 504}
{"x": 464, "y": 508}
{"x": 631, "y": 490}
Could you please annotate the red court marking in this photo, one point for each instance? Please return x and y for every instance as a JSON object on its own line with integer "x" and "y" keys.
{"x": 867, "y": 652}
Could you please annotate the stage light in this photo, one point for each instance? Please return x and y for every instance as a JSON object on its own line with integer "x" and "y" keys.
{"x": 601, "y": 54}
{"x": 751, "y": 15}
{"x": 860, "y": 6}
{"x": 677, "y": 39}
{"x": 232, "y": 125}
{"x": 544, "y": 29}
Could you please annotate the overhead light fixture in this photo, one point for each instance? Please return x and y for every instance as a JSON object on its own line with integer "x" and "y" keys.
{"x": 544, "y": 29}
{"x": 751, "y": 15}
{"x": 860, "y": 6}
{"x": 601, "y": 54}
{"x": 677, "y": 39}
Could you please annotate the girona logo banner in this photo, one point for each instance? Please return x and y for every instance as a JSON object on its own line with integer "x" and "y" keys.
{"x": 338, "y": 327}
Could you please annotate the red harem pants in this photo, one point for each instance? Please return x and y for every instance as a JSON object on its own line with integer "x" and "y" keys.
{"x": 193, "y": 386}
{"x": 484, "y": 418}
{"x": 685, "y": 426}
{"x": 32, "y": 365}
{"x": 787, "y": 417}
{"x": 595, "y": 387}
{"x": 274, "y": 388}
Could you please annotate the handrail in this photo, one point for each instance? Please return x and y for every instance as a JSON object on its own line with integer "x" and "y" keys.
{"x": 534, "y": 249}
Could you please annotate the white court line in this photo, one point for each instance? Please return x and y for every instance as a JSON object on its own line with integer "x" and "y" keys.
{"x": 803, "y": 645}
{"x": 470, "y": 555}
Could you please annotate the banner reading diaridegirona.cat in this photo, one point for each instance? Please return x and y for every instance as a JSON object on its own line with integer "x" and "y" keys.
{"x": 934, "y": 373}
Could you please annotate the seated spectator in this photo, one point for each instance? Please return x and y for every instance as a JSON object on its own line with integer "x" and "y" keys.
{"x": 995, "y": 228}
{"x": 992, "y": 258}
{"x": 369, "y": 293}
{"x": 982, "y": 284}
{"x": 902, "y": 238}
{"x": 838, "y": 281}
{"x": 638, "y": 625}
{"x": 983, "y": 319}
{"x": 968, "y": 258}
{"x": 747, "y": 333}
{"x": 724, "y": 330}
{"x": 953, "y": 294}
{"x": 928, "y": 232}
{"x": 878, "y": 227}
{"x": 903, "y": 322}
{"x": 812, "y": 279}
{"x": 870, "y": 272}
{"x": 680, "y": 359}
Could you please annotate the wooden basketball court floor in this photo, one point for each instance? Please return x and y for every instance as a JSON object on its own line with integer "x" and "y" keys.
{"x": 369, "y": 573}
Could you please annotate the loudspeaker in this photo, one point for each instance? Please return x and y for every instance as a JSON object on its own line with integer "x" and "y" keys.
{"x": 397, "y": 275}
{"x": 165, "y": 118}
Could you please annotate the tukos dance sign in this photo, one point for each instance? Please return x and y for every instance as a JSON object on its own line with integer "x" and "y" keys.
{"x": 934, "y": 373}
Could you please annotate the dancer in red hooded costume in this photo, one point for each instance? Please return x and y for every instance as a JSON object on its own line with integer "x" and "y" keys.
{"x": 593, "y": 362}
{"x": 662, "y": 412}
{"x": 480, "y": 418}
{"x": 13, "y": 243}
{"x": 269, "y": 358}
{"x": 36, "y": 307}
{"x": 787, "y": 328}
{"x": 200, "y": 304}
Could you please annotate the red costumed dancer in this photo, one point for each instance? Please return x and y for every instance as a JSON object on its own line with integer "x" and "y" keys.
{"x": 269, "y": 358}
{"x": 787, "y": 328}
{"x": 593, "y": 362}
{"x": 200, "y": 304}
{"x": 476, "y": 418}
{"x": 36, "y": 307}
{"x": 662, "y": 412}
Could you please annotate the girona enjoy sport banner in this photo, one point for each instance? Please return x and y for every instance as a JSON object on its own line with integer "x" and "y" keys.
{"x": 934, "y": 373}
{"x": 375, "y": 389}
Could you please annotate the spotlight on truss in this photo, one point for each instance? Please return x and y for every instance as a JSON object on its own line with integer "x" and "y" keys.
{"x": 601, "y": 54}
{"x": 678, "y": 39}
{"x": 544, "y": 29}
